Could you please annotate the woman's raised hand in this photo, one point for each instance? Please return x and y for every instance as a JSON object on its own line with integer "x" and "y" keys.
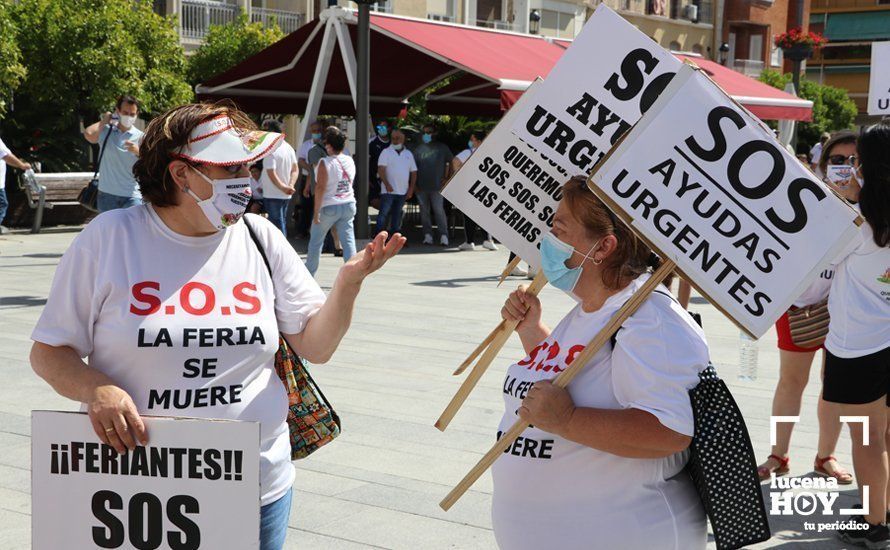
{"x": 522, "y": 307}
{"x": 376, "y": 253}
{"x": 115, "y": 419}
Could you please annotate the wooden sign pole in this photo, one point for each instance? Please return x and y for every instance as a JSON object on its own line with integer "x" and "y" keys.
{"x": 501, "y": 334}
{"x": 562, "y": 380}
{"x": 479, "y": 349}
{"x": 488, "y": 339}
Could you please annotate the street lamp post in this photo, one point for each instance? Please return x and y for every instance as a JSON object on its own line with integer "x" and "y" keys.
{"x": 534, "y": 22}
{"x": 362, "y": 115}
{"x": 724, "y": 53}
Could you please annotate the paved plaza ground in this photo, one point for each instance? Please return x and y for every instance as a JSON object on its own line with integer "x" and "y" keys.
{"x": 378, "y": 486}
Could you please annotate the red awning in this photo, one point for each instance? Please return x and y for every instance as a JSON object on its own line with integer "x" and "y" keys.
{"x": 491, "y": 70}
{"x": 761, "y": 99}
{"x": 492, "y": 55}
{"x": 764, "y": 101}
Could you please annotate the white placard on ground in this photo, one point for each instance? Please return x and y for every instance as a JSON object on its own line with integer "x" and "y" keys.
{"x": 597, "y": 90}
{"x": 710, "y": 188}
{"x": 508, "y": 188}
{"x": 196, "y": 485}
{"x": 879, "y": 79}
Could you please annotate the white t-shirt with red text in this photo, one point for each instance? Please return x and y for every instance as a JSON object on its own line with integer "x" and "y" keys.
{"x": 341, "y": 174}
{"x": 550, "y": 492}
{"x": 188, "y": 326}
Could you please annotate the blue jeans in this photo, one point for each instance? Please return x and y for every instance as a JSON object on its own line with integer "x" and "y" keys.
{"x": 273, "y": 522}
{"x": 107, "y": 201}
{"x": 340, "y": 216}
{"x": 4, "y": 204}
{"x": 390, "y": 216}
{"x": 277, "y": 210}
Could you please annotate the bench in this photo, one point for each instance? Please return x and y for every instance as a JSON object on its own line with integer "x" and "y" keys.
{"x": 50, "y": 190}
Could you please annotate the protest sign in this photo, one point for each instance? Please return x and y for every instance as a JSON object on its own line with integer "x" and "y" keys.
{"x": 196, "y": 485}
{"x": 610, "y": 75}
{"x": 512, "y": 191}
{"x": 508, "y": 188}
{"x": 709, "y": 187}
{"x": 879, "y": 79}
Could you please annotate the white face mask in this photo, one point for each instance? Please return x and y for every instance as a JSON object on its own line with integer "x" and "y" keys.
{"x": 227, "y": 203}
{"x": 126, "y": 121}
{"x": 839, "y": 174}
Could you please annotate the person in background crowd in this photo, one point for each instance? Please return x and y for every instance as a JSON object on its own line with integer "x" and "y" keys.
{"x": 307, "y": 178}
{"x": 6, "y": 157}
{"x": 255, "y": 206}
{"x": 376, "y": 145}
{"x": 334, "y": 199}
{"x": 816, "y": 153}
{"x": 603, "y": 464}
{"x": 398, "y": 176}
{"x": 857, "y": 348}
{"x": 195, "y": 182}
{"x": 280, "y": 171}
{"x": 433, "y": 160}
{"x": 315, "y": 154}
{"x": 117, "y": 186}
{"x": 470, "y": 226}
{"x": 795, "y": 361}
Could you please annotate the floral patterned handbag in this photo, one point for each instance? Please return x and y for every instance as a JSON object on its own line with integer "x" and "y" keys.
{"x": 311, "y": 420}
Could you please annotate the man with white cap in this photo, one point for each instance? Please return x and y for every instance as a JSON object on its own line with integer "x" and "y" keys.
{"x": 186, "y": 258}
{"x": 118, "y": 141}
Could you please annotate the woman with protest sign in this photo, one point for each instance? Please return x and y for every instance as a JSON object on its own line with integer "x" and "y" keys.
{"x": 857, "y": 364}
{"x": 175, "y": 307}
{"x": 809, "y": 316}
{"x": 602, "y": 465}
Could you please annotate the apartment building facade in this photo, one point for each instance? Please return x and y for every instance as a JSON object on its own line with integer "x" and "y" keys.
{"x": 749, "y": 29}
{"x": 845, "y": 62}
{"x": 678, "y": 25}
{"x": 196, "y": 16}
{"x": 681, "y": 25}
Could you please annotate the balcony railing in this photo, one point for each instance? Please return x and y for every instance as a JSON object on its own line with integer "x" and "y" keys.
{"x": 441, "y": 17}
{"x": 748, "y": 67}
{"x": 287, "y": 21}
{"x": 496, "y": 24}
{"x": 705, "y": 13}
{"x": 674, "y": 9}
{"x": 634, "y": 6}
{"x": 846, "y": 4}
{"x": 198, "y": 15}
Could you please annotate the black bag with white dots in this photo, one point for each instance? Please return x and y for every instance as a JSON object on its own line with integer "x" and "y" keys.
{"x": 722, "y": 466}
{"x": 721, "y": 462}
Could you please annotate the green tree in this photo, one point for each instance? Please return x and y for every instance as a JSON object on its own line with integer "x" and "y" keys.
{"x": 12, "y": 72}
{"x": 833, "y": 109}
{"x": 81, "y": 55}
{"x": 227, "y": 45}
{"x": 454, "y": 130}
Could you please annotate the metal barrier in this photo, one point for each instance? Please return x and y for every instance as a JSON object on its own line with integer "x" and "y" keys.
{"x": 198, "y": 15}
{"x": 287, "y": 21}
{"x": 496, "y": 24}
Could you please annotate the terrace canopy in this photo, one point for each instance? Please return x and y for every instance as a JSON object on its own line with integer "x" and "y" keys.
{"x": 489, "y": 70}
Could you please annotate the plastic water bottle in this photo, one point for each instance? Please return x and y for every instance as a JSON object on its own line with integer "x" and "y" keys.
{"x": 747, "y": 357}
